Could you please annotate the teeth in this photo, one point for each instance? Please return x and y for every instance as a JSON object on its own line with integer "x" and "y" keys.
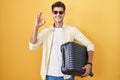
{"x": 58, "y": 17}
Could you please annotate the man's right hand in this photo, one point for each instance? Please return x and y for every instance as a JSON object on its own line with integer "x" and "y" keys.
{"x": 39, "y": 21}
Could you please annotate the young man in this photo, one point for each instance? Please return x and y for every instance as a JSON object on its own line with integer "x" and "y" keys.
{"x": 52, "y": 38}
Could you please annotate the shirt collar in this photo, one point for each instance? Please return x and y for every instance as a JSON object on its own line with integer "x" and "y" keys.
{"x": 53, "y": 28}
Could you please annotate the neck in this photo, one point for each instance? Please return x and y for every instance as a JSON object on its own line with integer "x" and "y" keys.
{"x": 58, "y": 25}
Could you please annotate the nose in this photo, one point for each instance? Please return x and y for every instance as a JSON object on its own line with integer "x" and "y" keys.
{"x": 58, "y": 13}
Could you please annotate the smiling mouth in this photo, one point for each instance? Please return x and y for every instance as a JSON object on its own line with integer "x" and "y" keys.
{"x": 58, "y": 17}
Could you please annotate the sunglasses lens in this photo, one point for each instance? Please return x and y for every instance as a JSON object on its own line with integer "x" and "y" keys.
{"x": 55, "y": 12}
{"x": 60, "y": 12}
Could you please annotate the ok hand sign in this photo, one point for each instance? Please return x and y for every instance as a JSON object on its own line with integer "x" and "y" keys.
{"x": 39, "y": 21}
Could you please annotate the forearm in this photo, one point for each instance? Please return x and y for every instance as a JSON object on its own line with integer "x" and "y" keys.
{"x": 33, "y": 38}
{"x": 90, "y": 56}
{"x": 88, "y": 66}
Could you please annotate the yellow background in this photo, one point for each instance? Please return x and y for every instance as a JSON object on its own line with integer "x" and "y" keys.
{"x": 99, "y": 20}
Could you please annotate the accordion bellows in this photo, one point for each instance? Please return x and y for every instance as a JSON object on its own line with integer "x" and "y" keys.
{"x": 74, "y": 57}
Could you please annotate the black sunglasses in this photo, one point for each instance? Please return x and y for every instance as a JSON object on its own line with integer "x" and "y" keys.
{"x": 60, "y": 12}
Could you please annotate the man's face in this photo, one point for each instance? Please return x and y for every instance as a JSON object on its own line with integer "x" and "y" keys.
{"x": 58, "y": 14}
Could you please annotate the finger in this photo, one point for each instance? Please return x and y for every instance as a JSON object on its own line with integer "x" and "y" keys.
{"x": 85, "y": 71}
{"x": 39, "y": 16}
{"x": 83, "y": 67}
{"x": 85, "y": 74}
{"x": 42, "y": 21}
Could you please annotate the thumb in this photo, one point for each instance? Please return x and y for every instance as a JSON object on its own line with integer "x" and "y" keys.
{"x": 83, "y": 67}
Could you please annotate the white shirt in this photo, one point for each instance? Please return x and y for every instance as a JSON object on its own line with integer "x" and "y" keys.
{"x": 55, "y": 63}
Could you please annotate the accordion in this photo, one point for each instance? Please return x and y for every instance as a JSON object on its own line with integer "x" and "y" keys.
{"x": 74, "y": 57}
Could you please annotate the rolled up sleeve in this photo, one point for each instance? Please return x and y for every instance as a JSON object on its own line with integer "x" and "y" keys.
{"x": 39, "y": 41}
{"x": 33, "y": 46}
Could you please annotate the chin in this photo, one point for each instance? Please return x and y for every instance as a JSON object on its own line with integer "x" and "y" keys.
{"x": 58, "y": 21}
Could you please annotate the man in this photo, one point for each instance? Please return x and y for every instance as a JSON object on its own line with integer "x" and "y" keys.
{"x": 52, "y": 38}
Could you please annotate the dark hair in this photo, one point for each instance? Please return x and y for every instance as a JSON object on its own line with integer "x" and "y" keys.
{"x": 58, "y": 4}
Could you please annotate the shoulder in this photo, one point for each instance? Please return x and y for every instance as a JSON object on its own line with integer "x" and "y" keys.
{"x": 47, "y": 29}
{"x": 69, "y": 27}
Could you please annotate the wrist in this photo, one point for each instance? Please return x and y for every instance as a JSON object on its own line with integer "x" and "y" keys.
{"x": 36, "y": 27}
{"x": 90, "y": 63}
